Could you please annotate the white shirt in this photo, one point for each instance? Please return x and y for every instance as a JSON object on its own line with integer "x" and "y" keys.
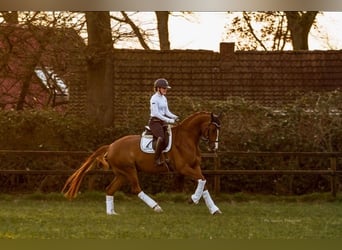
{"x": 159, "y": 108}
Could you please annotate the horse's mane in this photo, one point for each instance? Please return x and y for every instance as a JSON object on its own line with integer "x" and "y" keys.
{"x": 191, "y": 117}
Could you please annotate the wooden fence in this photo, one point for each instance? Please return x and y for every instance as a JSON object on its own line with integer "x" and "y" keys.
{"x": 217, "y": 172}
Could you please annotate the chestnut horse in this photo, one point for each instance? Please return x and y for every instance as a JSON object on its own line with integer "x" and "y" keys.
{"x": 125, "y": 158}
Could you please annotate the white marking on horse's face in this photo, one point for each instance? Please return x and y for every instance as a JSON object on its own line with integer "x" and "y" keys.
{"x": 217, "y": 138}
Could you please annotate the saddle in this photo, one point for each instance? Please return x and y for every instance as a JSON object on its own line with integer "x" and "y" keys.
{"x": 147, "y": 141}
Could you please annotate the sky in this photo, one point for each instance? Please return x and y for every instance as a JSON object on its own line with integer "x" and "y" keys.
{"x": 207, "y": 30}
{"x": 204, "y": 32}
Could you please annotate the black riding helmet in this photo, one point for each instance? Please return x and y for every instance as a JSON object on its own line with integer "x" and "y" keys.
{"x": 161, "y": 83}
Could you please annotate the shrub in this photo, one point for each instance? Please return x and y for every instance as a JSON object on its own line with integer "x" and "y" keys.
{"x": 312, "y": 123}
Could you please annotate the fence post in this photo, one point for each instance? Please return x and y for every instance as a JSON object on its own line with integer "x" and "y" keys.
{"x": 217, "y": 178}
{"x": 333, "y": 163}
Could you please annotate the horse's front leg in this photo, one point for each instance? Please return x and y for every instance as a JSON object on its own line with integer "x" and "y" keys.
{"x": 201, "y": 190}
{"x": 196, "y": 196}
{"x": 194, "y": 173}
{"x": 213, "y": 209}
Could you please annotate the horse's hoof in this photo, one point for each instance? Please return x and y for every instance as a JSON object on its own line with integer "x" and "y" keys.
{"x": 190, "y": 201}
{"x": 158, "y": 209}
{"x": 217, "y": 212}
{"x": 112, "y": 213}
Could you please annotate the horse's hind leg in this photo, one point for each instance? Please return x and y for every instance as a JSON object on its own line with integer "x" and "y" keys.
{"x": 132, "y": 177}
{"x": 150, "y": 202}
{"x": 115, "y": 185}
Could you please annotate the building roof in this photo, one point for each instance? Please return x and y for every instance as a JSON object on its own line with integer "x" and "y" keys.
{"x": 38, "y": 58}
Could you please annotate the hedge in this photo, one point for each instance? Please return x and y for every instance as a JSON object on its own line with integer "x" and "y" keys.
{"x": 312, "y": 123}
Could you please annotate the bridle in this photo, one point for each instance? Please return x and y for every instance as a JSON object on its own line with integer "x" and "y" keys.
{"x": 206, "y": 135}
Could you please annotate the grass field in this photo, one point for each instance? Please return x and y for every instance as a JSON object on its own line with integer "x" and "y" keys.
{"x": 51, "y": 216}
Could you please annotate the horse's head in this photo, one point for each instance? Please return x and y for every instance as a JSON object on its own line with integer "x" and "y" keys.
{"x": 211, "y": 133}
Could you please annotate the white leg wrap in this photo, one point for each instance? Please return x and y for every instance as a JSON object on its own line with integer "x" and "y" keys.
{"x": 110, "y": 205}
{"x": 149, "y": 201}
{"x": 210, "y": 203}
{"x": 198, "y": 192}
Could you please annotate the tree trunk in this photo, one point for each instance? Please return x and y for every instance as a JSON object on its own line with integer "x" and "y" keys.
{"x": 299, "y": 24}
{"x": 163, "y": 29}
{"x": 100, "y": 68}
{"x": 30, "y": 64}
{"x": 24, "y": 90}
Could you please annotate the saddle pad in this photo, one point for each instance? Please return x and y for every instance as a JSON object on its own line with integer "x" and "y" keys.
{"x": 146, "y": 143}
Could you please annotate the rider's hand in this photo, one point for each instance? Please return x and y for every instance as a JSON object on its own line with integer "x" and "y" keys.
{"x": 171, "y": 121}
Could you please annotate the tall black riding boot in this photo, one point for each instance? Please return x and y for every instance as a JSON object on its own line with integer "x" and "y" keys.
{"x": 158, "y": 151}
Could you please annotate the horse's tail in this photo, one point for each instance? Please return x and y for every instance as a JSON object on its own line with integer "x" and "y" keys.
{"x": 74, "y": 181}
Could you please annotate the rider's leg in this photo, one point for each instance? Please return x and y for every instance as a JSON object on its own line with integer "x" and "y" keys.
{"x": 158, "y": 132}
{"x": 158, "y": 151}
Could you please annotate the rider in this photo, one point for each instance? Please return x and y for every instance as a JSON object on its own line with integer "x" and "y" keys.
{"x": 159, "y": 117}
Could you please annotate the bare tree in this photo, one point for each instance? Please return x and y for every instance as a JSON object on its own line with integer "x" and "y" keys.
{"x": 136, "y": 30}
{"x": 272, "y": 30}
{"x": 254, "y": 30}
{"x": 145, "y": 36}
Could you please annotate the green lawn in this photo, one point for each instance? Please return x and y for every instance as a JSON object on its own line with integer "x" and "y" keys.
{"x": 51, "y": 216}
